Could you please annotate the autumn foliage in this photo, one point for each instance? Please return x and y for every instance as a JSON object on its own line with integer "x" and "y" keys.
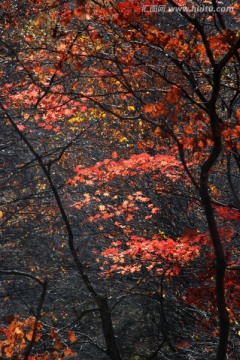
{"x": 120, "y": 146}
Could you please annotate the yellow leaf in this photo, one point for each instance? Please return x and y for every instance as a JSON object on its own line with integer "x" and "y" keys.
{"x": 75, "y": 120}
{"x": 1, "y": 214}
{"x": 131, "y": 108}
{"x": 18, "y": 331}
{"x": 123, "y": 139}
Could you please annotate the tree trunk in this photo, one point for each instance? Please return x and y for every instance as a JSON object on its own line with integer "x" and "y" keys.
{"x": 107, "y": 326}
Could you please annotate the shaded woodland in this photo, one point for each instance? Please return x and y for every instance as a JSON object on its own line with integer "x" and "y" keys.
{"x": 119, "y": 180}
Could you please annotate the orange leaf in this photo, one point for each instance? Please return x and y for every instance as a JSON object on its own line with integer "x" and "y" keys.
{"x": 29, "y": 335}
{"x": 149, "y": 108}
{"x": 71, "y": 336}
{"x": 114, "y": 155}
{"x": 20, "y": 127}
{"x": 58, "y": 345}
{"x": 67, "y": 352}
{"x": 53, "y": 334}
{"x": 188, "y": 130}
{"x": 9, "y": 351}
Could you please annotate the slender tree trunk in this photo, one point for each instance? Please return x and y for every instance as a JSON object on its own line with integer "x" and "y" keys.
{"x": 220, "y": 260}
{"x": 107, "y": 325}
{"x": 219, "y": 275}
